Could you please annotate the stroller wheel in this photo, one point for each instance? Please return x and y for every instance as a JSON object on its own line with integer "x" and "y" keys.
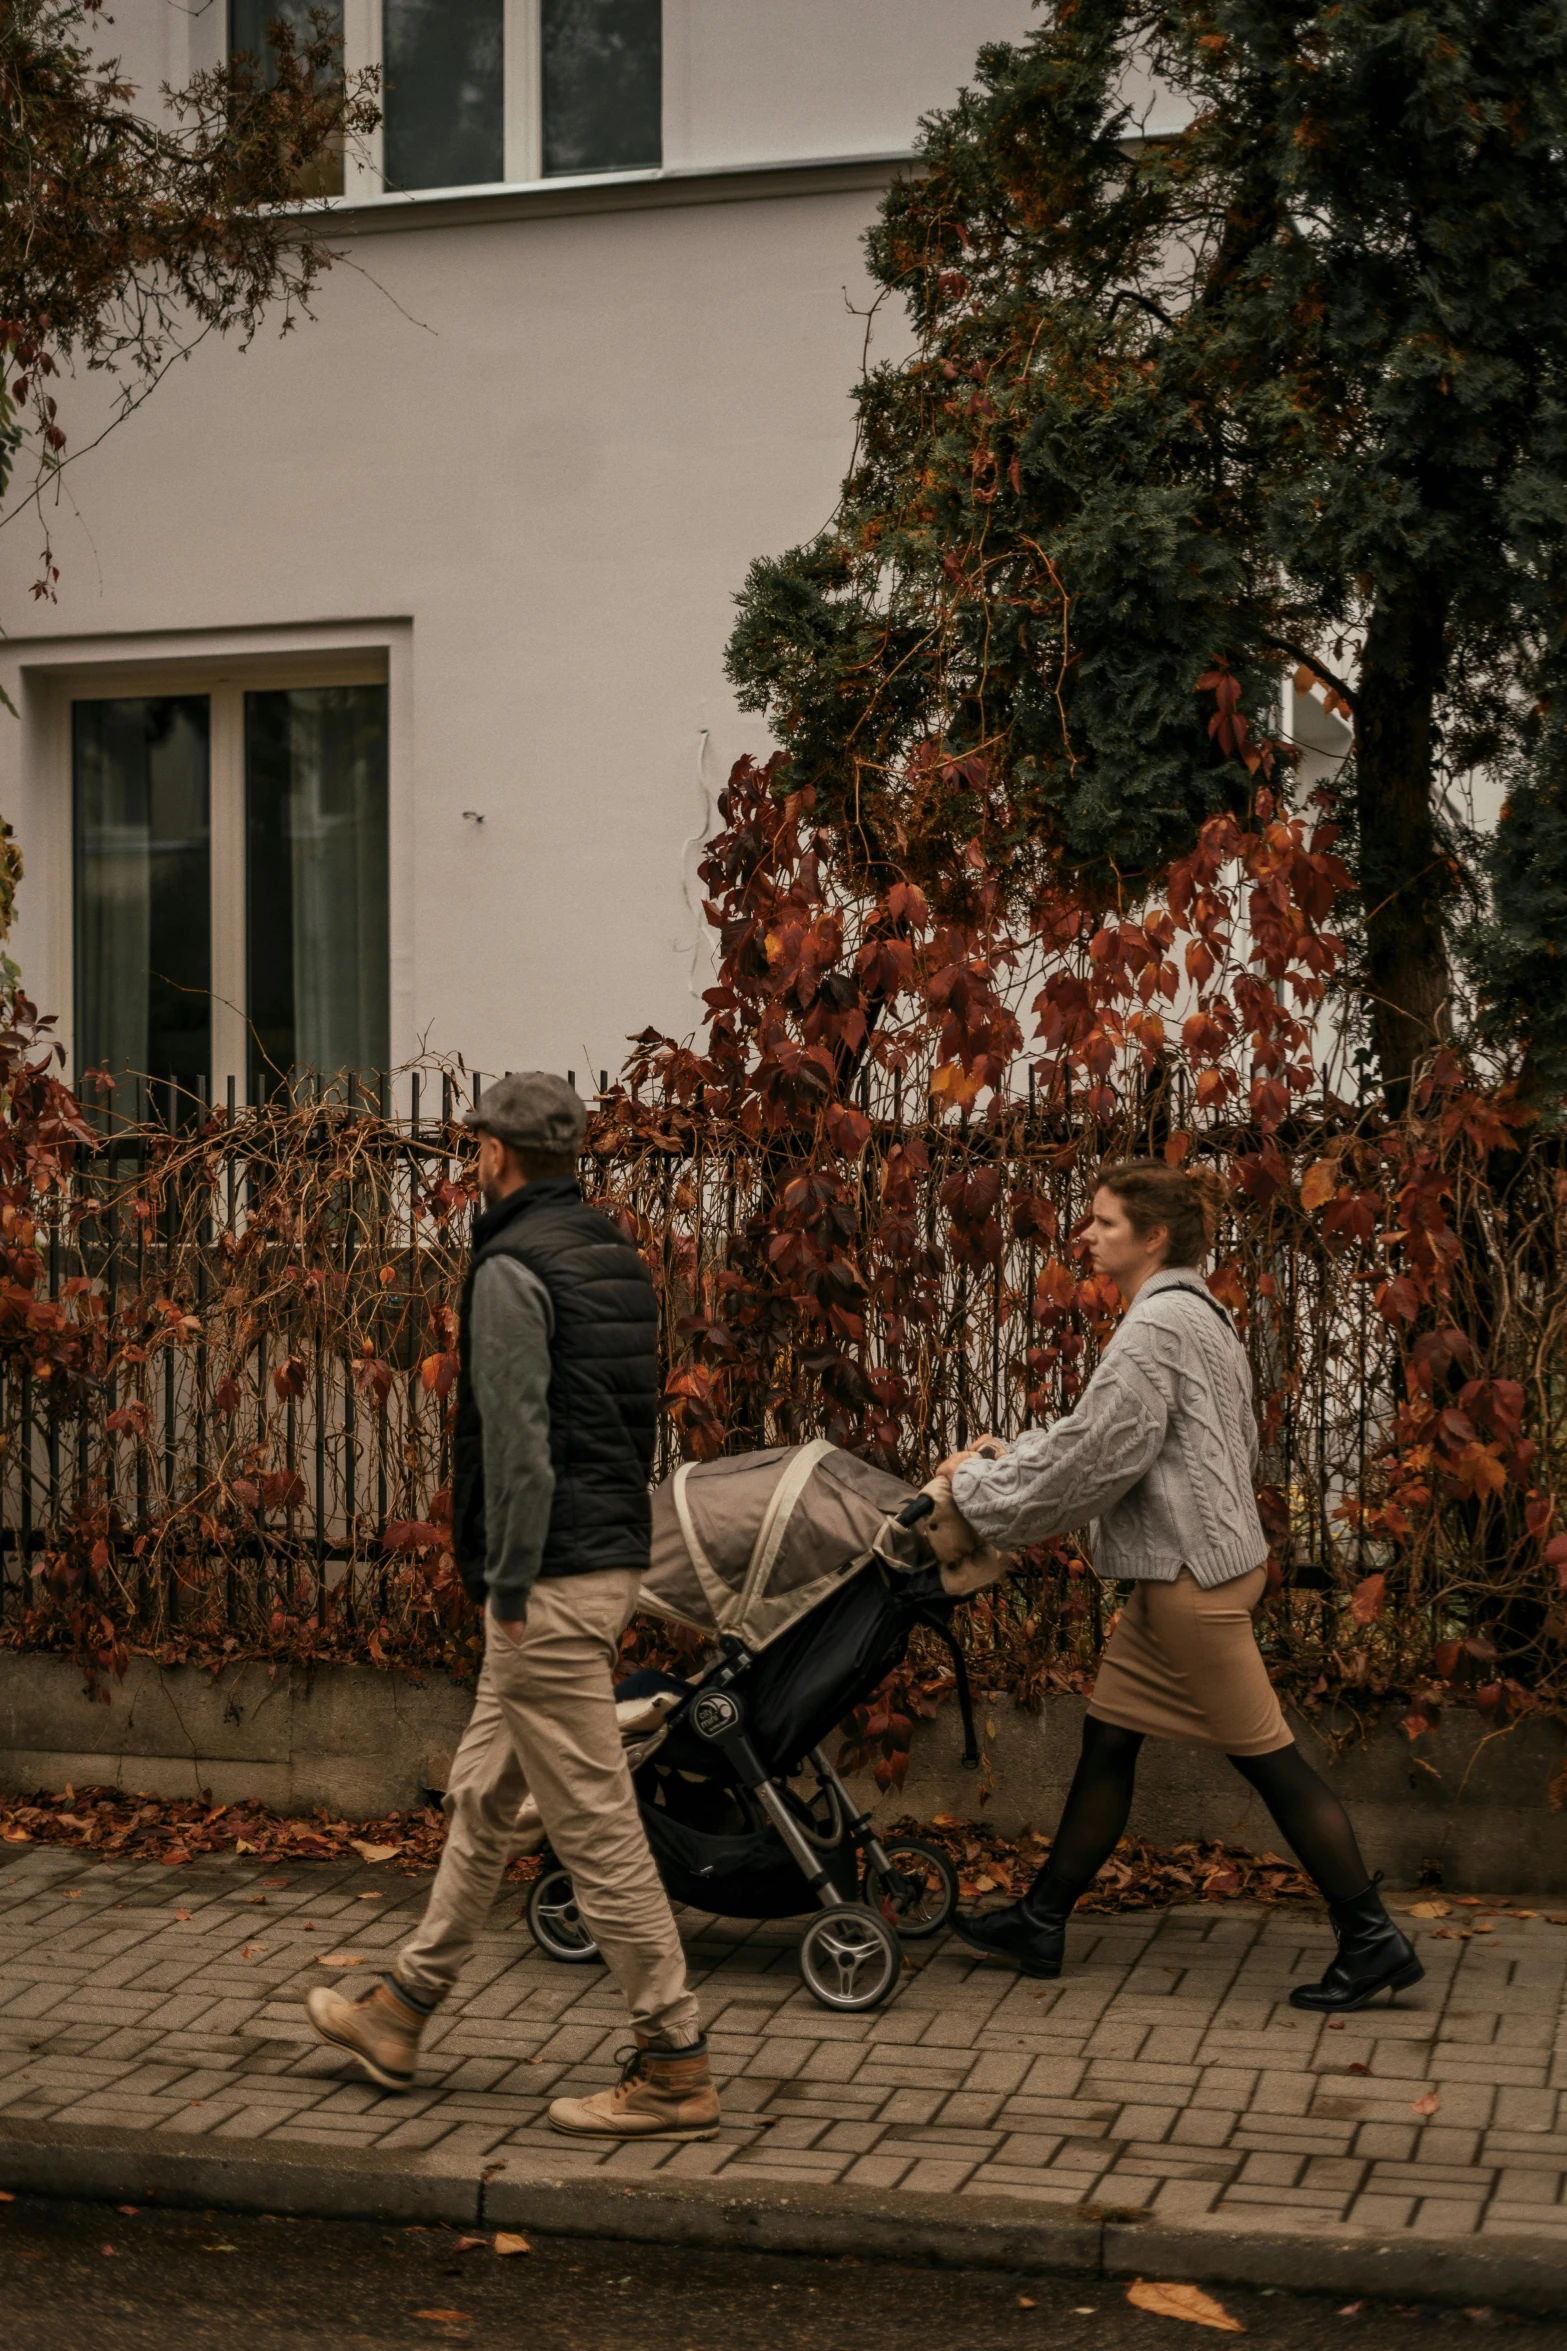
{"x": 849, "y": 1957}
{"x": 554, "y": 1921}
{"x": 921, "y": 1892}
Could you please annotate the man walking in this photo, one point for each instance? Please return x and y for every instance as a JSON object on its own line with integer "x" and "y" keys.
{"x": 556, "y": 1406}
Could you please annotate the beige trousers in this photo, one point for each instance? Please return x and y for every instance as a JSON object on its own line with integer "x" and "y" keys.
{"x": 543, "y": 1723}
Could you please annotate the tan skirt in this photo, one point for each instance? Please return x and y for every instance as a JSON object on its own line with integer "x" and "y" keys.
{"x": 1183, "y": 1663}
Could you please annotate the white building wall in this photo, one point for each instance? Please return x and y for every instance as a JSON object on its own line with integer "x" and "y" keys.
{"x": 527, "y": 459}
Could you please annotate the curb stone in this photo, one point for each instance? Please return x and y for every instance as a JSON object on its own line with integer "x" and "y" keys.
{"x": 1522, "y": 2273}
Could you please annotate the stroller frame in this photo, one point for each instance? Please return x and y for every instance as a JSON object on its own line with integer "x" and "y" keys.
{"x": 850, "y": 1953}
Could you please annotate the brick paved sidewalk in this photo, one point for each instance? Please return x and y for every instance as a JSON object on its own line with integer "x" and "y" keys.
{"x": 1163, "y": 2074}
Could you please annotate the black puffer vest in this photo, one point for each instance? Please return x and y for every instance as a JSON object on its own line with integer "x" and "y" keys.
{"x": 603, "y": 1392}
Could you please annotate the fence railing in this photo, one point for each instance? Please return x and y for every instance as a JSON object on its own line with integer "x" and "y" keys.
{"x": 228, "y": 1413}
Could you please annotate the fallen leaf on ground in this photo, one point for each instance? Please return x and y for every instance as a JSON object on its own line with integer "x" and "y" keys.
{"x": 130, "y": 2210}
{"x": 372, "y": 1897}
{"x": 1426, "y": 2105}
{"x": 449, "y": 2318}
{"x": 341, "y": 1959}
{"x": 1556, "y": 1918}
{"x": 220, "y": 2248}
{"x": 374, "y": 1852}
{"x": 184, "y": 1914}
{"x": 7, "y": 2196}
{"x": 1335, "y": 2024}
{"x": 1357, "y": 2069}
{"x": 1429, "y": 1909}
{"x": 467, "y": 2244}
{"x": 107, "y": 2250}
{"x": 1526, "y": 1914}
{"x": 1450, "y": 1934}
{"x": 1167, "y": 2300}
{"x": 1352, "y": 2310}
{"x": 275, "y": 1881}
{"x": 73, "y": 1893}
{"x": 509, "y": 2244}
{"x": 1024, "y": 2303}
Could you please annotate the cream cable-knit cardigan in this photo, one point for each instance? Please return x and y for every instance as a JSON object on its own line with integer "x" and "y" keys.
{"x": 1160, "y": 1453}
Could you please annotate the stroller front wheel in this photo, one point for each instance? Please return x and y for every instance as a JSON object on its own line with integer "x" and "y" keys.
{"x": 554, "y": 1921}
{"x": 919, "y": 1894}
{"x": 850, "y": 1957}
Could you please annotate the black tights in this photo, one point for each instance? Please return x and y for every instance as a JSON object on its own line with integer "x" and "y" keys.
{"x": 1098, "y": 1804}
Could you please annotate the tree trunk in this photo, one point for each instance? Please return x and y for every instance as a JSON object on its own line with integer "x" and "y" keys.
{"x": 1404, "y": 877}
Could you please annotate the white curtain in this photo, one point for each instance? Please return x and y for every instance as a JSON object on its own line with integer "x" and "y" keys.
{"x": 337, "y": 852}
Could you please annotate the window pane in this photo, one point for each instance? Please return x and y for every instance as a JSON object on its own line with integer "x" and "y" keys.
{"x": 143, "y": 887}
{"x": 442, "y": 93}
{"x": 603, "y": 85}
{"x": 306, "y": 20}
{"x": 317, "y": 940}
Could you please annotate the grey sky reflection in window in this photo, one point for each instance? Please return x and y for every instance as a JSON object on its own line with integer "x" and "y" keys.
{"x": 316, "y": 877}
{"x": 443, "y": 93}
{"x": 142, "y": 842}
{"x": 603, "y": 85}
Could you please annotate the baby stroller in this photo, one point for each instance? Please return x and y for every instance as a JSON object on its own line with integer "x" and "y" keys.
{"x": 807, "y": 1565}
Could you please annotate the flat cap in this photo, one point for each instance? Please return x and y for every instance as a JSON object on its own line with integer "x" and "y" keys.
{"x": 532, "y": 1110}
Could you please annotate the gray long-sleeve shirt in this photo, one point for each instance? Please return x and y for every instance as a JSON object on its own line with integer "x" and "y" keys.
{"x": 510, "y": 1332}
{"x": 1159, "y": 1454}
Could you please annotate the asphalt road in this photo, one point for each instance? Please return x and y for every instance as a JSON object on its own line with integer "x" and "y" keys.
{"x": 91, "y": 2278}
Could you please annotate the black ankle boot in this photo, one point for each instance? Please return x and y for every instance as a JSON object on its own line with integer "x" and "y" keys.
{"x": 1372, "y": 1957}
{"x": 1031, "y": 1934}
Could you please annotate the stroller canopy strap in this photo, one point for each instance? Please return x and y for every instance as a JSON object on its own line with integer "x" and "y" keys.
{"x": 747, "y": 1544}
{"x": 775, "y": 1525}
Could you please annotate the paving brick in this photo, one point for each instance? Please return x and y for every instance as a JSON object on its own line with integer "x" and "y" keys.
{"x": 1206, "y": 2126}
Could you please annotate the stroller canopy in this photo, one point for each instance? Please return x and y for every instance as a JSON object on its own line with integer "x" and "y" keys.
{"x": 749, "y": 1544}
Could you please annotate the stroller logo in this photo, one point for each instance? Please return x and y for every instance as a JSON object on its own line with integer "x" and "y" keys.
{"x": 714, "y": 1714}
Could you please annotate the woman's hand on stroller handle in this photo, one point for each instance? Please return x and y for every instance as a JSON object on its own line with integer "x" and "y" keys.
{"x": 986, "y": 1448}
{"x": 912, "y": 1512}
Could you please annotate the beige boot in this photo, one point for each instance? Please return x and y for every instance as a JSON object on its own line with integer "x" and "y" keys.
{"x": 663, "y": 2093}
{"x": 380, "y": 2028}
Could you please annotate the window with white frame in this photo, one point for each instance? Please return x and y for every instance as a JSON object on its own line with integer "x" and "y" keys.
{"x": 475, "y": 92}
{"x": 230, "y": 875}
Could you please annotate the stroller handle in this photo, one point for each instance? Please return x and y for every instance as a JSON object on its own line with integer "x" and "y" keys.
{"x": 912, "y": 1512}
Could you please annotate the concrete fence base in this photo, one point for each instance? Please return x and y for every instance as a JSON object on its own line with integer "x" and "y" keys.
{"x": 1462, "y": 1807}
{"x": 359, "y": 1742}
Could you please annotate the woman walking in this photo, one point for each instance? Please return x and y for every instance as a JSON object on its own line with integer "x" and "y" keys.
{"x": 1161, "y": 1454}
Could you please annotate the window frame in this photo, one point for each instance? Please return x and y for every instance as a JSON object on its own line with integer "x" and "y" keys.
{"x": 522, "y": 110}
{"x": 51, "y": 685}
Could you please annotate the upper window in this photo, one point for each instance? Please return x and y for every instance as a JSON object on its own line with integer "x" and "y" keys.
{"x": 443, "y": 92}
{"x": 307, "y": 20}
{"x": 601, "y": 81}
{"x": 479, "y": 91}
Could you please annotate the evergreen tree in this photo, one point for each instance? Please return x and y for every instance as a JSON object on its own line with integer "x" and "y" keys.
{"x": 1280, "y": 391}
